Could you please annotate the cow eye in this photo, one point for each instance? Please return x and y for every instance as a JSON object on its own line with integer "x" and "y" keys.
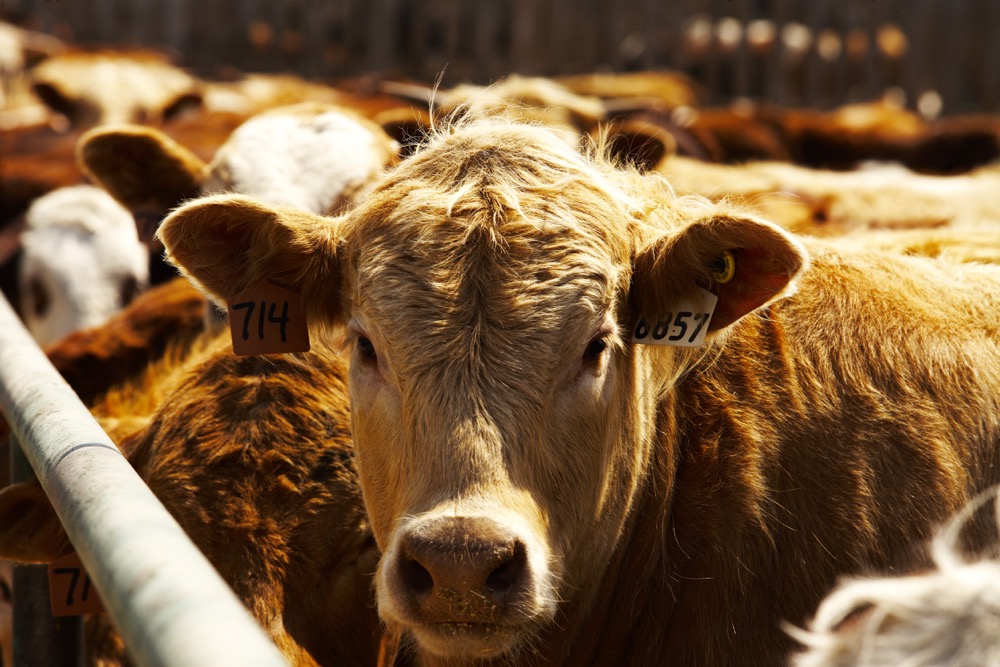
{"x": 39, "y": 297}
{"x": 595, "y": 349}
{"x": 128, "y": 290}
{"x": 366, "y": 349}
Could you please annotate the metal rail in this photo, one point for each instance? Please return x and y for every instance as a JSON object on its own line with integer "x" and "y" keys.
{"x": 171, "y": 607}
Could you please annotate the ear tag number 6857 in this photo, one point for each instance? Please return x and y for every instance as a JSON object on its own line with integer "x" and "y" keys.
{"x": 684, "y": 326}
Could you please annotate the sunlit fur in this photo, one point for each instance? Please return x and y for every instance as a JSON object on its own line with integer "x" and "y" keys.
{"x": 949, "y": 615}
{"x": 820, "y": 202}
{"x": 528, "y": 99}
{"x": 686, "y": 501}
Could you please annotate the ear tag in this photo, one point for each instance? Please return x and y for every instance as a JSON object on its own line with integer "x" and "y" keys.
{"x": 684, "y": 326}
{"x": 70, "y": 590}
{"x": 268, "y": 319}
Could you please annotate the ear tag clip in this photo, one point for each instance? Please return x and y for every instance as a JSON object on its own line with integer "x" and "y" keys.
{"x": 268, "y": 319}
{"x": 728, "y": 270}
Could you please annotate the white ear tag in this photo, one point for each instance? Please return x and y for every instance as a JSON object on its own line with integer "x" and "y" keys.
{"x": 685, "y": 326}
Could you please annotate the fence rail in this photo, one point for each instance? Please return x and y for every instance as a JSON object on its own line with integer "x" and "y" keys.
{"x": 171, "y": 607}
{"x": 935, "y": 54}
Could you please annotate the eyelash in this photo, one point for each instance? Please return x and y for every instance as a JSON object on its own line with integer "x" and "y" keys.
{"x": 595, "y": 349}
{"x": 365, "y": 349}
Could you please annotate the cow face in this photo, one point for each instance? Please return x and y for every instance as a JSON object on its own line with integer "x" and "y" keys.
{"x": 82, "y": 262}
{"x": 503, "y": 421}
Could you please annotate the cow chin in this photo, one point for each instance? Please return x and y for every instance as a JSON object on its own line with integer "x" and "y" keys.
{"x": 468, "y": 641}
{"x": 467, "y": 587}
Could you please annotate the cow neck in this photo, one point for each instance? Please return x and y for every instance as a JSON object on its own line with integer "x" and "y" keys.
{"x": 634, "y": 597}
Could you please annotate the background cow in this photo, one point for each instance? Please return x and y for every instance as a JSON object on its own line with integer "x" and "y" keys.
{"x": 946, "y": 616}
{"x": 82, "y": 262}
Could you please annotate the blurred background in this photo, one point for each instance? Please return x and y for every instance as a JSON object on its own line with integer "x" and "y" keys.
{"x": 932, "y": 56}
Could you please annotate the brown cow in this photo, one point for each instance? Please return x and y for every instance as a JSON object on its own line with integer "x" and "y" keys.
{"x": 253, "y": 457}
{"x": 824, "y": 203}
{"x": 102, "y": 87}
{"x": 544, "y": 489}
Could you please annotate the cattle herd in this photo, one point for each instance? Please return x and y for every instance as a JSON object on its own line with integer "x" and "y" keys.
{"x": 595, "y": 375}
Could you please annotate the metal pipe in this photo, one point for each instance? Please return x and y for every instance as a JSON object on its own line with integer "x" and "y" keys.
{"x": 171, "y": 607}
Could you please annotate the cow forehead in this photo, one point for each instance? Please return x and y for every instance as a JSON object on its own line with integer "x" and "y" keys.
{"x": 491, "y": 236}
{"x": 489, "y": 208}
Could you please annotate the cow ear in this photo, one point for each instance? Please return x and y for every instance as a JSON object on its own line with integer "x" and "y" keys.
{"x": 62, "y": 103}
{"x": 746, "y": 263}
{"x": 228, "y": 244}
{"x": 642, "y": 144}
{"x": 30, "y": 531}
{"x": 407, "y": 126}
{"x": 141, "y": 167}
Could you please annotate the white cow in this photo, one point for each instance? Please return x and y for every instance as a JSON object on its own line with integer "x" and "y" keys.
{"x": 948, "y": 616}
{"x": 82, "y": 261}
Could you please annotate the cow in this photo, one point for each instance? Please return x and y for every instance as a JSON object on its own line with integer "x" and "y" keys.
{"x": 945, "y": 616}
{"x": 108, "y": 86}
{"x": 253, "y": 457}
{"x": 315, "y": 156}
{"x": 545, "y": 488}
{"x": 81, "y": 262}
{"x": 829, "y": 203}
{"x": 19, "y": 50}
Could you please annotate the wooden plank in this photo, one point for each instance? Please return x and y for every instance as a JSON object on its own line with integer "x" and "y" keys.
{"x": 528, "y": 28}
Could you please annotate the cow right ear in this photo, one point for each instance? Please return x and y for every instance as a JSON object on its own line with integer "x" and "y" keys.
{"x": 30, "y": 530}
{"x": 229, "y": 244}
{"x": 141, "y": 167}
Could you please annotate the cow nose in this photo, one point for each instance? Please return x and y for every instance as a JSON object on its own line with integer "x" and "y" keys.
{"x": 461, "y": 568}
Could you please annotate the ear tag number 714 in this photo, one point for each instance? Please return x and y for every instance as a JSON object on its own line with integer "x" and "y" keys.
{"x": 268, "y": 319}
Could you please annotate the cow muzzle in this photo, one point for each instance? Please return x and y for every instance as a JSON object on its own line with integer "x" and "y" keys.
{"x": 465, "y": 586}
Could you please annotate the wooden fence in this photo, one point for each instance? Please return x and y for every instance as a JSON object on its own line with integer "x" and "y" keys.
{"x": 935, "y": 54}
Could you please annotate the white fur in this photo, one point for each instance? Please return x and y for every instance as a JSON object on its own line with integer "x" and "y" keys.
{"x": 309, "y": 162}
{"x": 947, "y": 617}
{"x": 79, "y": 245}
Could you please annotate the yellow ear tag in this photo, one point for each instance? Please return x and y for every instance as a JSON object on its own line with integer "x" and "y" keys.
{"x": 728, "y": 268}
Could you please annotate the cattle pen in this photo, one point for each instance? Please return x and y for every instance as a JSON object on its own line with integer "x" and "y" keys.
{"x": 937, "y": 56}
{"x": 770, "y": 78}
{"x": 171, "y": 606}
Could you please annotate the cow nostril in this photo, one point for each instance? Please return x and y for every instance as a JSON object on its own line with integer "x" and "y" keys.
{"x": 509, "y": 573}
{"x": 416, "y": 577}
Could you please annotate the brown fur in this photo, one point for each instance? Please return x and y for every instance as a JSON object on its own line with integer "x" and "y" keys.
{"x": 122, "y": 158}
{"x": 286, "y": 510}
{"x": 674, "y": 504}
{"x": 263, "y": 480}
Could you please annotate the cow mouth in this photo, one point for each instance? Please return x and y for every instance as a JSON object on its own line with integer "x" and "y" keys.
{"x": 465, "y": 640}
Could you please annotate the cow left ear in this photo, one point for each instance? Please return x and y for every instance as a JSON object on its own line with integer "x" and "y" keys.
{"x": 746, "y": 263}
{"x": 231, "y": 244}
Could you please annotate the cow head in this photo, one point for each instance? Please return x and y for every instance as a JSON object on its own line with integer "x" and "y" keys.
{"x": 503, "y": 421}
